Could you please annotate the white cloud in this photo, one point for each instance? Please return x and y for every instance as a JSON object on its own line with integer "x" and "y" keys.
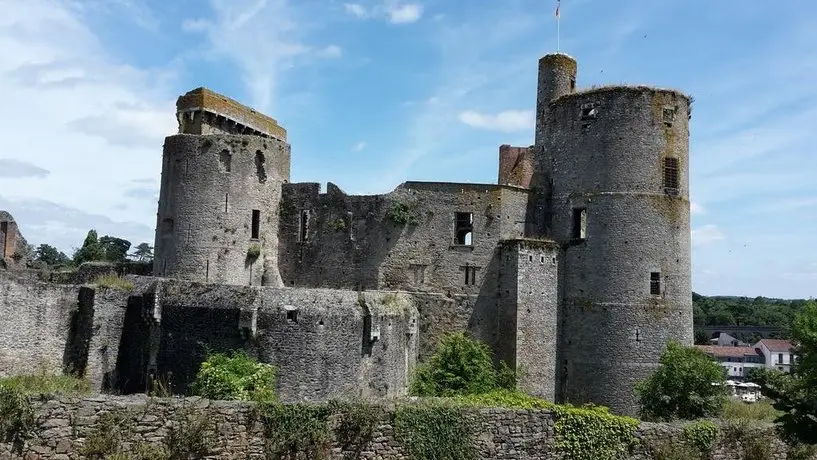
{"x": 331, "y": 51}
{"x": 507, "y": 121}
{"x": 94, "y": 123}
{"x": 355, "y": 9}
{"x": 402, "y": 14}
{"x": 359, "y": 146}
{"x": 695, "y": 208}
{"x": 707, "y": 234}
{"x": 391, "y": 10}
{"x": 195, "y": 25}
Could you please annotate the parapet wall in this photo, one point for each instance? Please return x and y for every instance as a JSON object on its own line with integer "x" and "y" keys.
{"x": 63, "y": 427}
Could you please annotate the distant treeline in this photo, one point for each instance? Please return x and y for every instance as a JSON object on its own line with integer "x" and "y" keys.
{"x": 740, "y": 311}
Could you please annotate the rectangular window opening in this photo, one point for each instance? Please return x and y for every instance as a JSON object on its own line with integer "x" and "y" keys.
{"x": 256, "y": 224}
{"x": 655, "y": 283}
{"x": 226, "y": 201}
{"x": 303, "y": 226}
{"x": 589, "y": 112}
{"x": 580, "y": 223}
{"x": 470, "y": 275}
{"x": 671, "y": 179}
{"x": 464, "y": 228}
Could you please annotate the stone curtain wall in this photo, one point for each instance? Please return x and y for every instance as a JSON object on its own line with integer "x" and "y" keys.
{"x": 64, "y": 426}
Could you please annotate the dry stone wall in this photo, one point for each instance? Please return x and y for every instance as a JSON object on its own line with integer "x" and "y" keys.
{"x": 65, "y": 426}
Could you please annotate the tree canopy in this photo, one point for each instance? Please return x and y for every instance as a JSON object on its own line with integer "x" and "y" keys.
{"x": 796, "y": 393}
{"x": 687, "y": 385}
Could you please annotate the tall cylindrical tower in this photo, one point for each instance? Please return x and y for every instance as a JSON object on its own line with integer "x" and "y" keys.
{"x": 557, "y": 77}
{"x": 620, "y": 208}
{"x": 218, "y": 208}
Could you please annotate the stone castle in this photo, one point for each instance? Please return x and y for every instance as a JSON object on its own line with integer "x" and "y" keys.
{"x": 574, "y": 266}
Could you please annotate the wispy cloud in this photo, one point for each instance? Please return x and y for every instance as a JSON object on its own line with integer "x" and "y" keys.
{"x": 707, "y": 234}
{"x": 393, "y": 11}
{"x": 11, "y": 168}
{"x": 507, "y": 121}
{"x": 359, "y": 146}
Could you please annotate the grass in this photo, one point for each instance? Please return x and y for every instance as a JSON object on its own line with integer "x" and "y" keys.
{"x": 113, "y": 282}
{"x": 37, "y": 384}
{"x": 761, "y": 411}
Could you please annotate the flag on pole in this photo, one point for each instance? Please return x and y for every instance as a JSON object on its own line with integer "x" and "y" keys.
{"x": 558, "y": 7}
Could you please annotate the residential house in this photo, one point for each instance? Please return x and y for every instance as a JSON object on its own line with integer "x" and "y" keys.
{"x": 778, "y": 354}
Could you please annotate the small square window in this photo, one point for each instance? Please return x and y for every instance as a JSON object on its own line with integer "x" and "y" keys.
{"x": 589, "y": 112}
{"x": 669, "y": 115}
{"x": 292, "y": 316}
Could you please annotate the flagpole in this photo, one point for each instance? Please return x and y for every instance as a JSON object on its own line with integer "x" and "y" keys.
{"x": 558, "y": 24}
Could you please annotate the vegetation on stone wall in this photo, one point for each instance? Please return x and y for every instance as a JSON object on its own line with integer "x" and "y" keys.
{"x": 337, "y": 224}
{"x": 305, "y": 431}
{"x": 402, "y": 214}
{"x": 253, "y": 252}
{"x": 687, "y": 385}
{"x": 189, "y": 435}
{"x": 112, "y": 281}
{"x": 235, "y": 377}
{"x": 435, "y": 430}
{"x": 462, "y": 370}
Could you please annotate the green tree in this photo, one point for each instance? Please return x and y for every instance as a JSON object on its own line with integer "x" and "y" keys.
{"x": 91, "y": 249}
{"x": 50, "y": 255}
{"x": 459, "y": 366}
{"x": 116, "y": 249}
{"x": 796, "y": 394}
{"x": 686, "y": 385}
{"x": 143, "y": 252}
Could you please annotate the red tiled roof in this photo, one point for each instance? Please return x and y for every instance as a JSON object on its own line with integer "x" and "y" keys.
{"x": 723, "y": 351}
{"x": 777, "y": 345}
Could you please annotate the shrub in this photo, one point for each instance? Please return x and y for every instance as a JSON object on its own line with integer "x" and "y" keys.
{"x": 190, "y": 436}
{"x": 254, "y": 252}
{"x": 16, "y": 415}
{"x": 459, "y": 366}
{"x": 401, "y": 214}
{"x": 235, "y": 377}
{"x": 113, "y": 282}
{"x": 701, "y": 435}
{"x": 686, "y": 385}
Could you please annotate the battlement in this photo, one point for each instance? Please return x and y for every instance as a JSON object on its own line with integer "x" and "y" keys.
{"x": 202, "y": 111}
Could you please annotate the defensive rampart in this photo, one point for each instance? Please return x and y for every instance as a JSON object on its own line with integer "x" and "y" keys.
{"x": 65, "y": 427}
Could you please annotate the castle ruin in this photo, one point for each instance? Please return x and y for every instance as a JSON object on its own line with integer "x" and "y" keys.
{"x": 574, "y": 266}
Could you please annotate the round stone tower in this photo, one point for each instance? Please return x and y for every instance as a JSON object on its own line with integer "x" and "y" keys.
{"x": 220, "y": 192}
{"x": 618, "y": 165}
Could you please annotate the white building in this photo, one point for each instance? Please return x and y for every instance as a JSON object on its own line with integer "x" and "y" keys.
{"x": 778, "y": 354}
{"x": 736, "y": 360}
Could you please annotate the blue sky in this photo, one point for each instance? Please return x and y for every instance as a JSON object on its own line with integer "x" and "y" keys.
{"x": 375, "y": 92}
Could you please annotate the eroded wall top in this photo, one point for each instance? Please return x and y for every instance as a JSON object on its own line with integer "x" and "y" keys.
{"x": 202, "y": 107}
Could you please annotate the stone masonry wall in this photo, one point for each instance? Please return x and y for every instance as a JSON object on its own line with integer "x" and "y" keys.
{"x": 64, "y": 426}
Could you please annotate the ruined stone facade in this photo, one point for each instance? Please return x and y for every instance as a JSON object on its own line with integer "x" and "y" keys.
{"x": 574, "y": 266}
